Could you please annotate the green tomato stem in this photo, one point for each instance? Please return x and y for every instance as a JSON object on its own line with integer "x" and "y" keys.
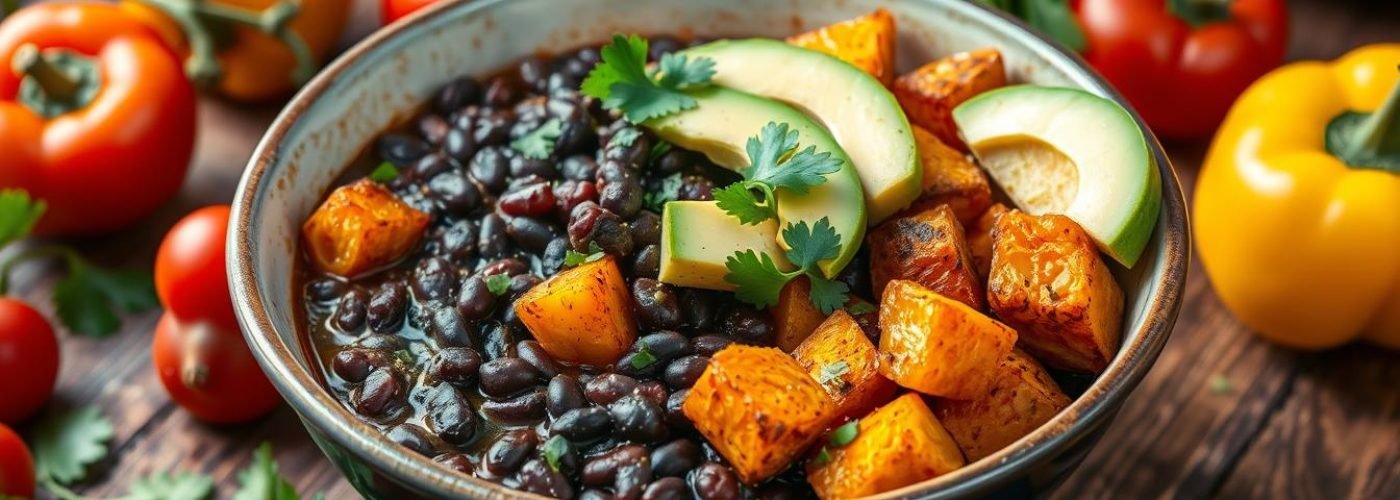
{"x": 1199, "y": 13}
{"x": 70, "y": 257}
{"x": 1379, "y": 134}
{"x": 200, "y": 20}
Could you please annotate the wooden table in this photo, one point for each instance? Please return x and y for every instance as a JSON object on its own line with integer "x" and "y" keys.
{"x": 1221, "y": 414}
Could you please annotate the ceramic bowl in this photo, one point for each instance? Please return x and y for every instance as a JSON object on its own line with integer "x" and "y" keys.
{"x": 383, "y": 80}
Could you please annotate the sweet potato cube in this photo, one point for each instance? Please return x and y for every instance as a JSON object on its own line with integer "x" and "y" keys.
{"x": 581, "y": 315}
{"x": 930, "y": 93}
{"x": 867, "y": 42}
{"x": 979, "y": 239}
{"x": 361, "y": 227}
{"x": 937, "y": 345}
{"x": 928, "y": 248}
{"x": 950, "y": 178}
{"x": 840, "y": 358}
{"x": 795, "y": 316}
{"x": 1022, "y": 397}
{"x": 759, "y": 409}
{"x": 1049, "y": 282}
{"x": 900, "y": 444}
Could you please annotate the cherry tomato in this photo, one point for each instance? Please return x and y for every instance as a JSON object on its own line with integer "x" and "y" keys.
{"x": 209, "y": 371}
{"x": 28, "y": 362}
{"x": 393, "y": 10}
{"x": 16, "y": 466}
{"x": 190, "y": 274}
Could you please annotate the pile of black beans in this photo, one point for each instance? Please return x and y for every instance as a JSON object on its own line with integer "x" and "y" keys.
{"x": 427, "y": 352}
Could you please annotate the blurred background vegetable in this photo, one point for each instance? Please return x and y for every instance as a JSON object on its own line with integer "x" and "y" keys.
{"x": 28, "y": 361}
{"x": 1298, "y": 204}
{"x": 16, "y": 466}
{"x": 393, "y": 10}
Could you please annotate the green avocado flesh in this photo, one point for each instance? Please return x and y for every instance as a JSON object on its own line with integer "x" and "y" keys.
{"x": 697, "y": 237}
{"x": 861, "y": 114}
{"x": 721, "y": 125}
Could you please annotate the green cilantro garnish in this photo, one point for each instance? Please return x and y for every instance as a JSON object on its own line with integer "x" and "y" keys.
{"x": 554, "y": 450}
{"x": 498, "y": 284}
{"x": 846, "y": 433}
{"x": 860, "y": 308}
{"x": 66, "y": 443}
{"x": 385, "y": 172}
{"x": 19, "y": 214}
{"x": 833, "y": 371}
{"x": 643, "y": 358}
{"x": 539, "y": 143}
{"x": 823, "y": 457}
{"x": 624, "y": 137}
{"x": 774, "y": 163}
{"x": 595, "y": 253}
{"x": 658, "y": 149}
{"x": 623, "y": 81}
{"x": 667, "y": 192}
{"x": 165, "y": 486}
{"x": 758, "y": 280}
{"x": 261, "y": 481}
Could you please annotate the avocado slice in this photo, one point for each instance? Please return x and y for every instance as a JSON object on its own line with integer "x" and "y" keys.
{"x": 1066, "y": 151}
{"x": 697, "y": 237}
{"x": 721, "y": 125}
{"x": 860, "y": 112}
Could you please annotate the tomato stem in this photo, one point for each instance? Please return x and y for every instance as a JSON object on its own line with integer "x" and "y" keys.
{"x": 55, "y": 84}
{"x": 198, "y": 338}
{"x": 200, "y": 20}
{"x": 1199, "y": 13}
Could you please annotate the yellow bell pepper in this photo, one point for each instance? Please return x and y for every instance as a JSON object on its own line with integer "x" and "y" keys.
{"x": 1297, "y": 209}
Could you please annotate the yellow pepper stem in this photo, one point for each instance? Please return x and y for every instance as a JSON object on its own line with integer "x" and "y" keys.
{"x": 1379, "y": 135}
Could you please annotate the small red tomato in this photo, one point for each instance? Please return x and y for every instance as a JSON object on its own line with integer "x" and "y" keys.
{"x": 190, "y": 273}
{"x": 28, "y": 361}
{"x": 16, "y": 466}
{"x": 393, "y": 10}
{"x": 209, "y": 371}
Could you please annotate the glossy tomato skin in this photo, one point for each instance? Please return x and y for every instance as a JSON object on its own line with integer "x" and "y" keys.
{"x": 28, "y": 360}
{"x": 393, "y": 10}
{"x": 16, "y": 466}
{"x": 191, "y": 277}
{"x": 232, "y": 389}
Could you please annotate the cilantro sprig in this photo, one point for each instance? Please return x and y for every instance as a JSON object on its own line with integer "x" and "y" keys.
{"x": 384, "y": 173}
{"x": 840, "y": 437}
{"x": 667, "y": 192}
{"x": 539, "y": 143}
{"x": 758, "y": 281}
{"x": 88, "y": 298}
{"x": 498, "y": 284}
{"x": 595, "y": 253}
{"x": 832, "y": 372}
{"x": 623, "y": 81}
{"x": 774, "y": 163}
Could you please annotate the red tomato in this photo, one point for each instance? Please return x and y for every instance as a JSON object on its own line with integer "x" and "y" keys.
{"x": 28, "y": 362}
{"x": 209, "y": 371}
{"x": 190, "y": 274}
{"x": 393, "y": 10}
{"x": 16, "y": 466}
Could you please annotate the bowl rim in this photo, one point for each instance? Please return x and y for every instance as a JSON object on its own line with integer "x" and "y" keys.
{"x": 324, "y": 415}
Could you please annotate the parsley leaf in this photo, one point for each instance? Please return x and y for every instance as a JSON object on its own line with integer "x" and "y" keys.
{"x": 164, "y": 486}
{"x": 623, "y": 82}
{"x": 756, "y": 277}
{"x": 833, "y": 371}
{"x": 644, "y": 357}
{"x": 775, "y": 163}
{"x": 669, "y": 191}
{"x": 554, "y": 450}
{"x": 862, "y": 307}
{"x": 18, "y": 214}
{"x": 85, "y": 299}
{"x": 740, "y": 203}
{"x": 498, "y": 284}
{"x": 758, "y": 281}
{"x": 846, "y": 433}
{"x": 539, "y": 143}
{"x": 261, "y": 481}
{"x": 385, "y": 172}
{"x": 65, "y": 444}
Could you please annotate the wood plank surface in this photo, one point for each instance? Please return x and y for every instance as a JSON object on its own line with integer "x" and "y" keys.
{"x": 1222, "y": 414}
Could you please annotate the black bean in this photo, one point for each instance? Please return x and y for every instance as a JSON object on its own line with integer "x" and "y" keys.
{"x": 700, "y": 308}
{"x": 475, "y": 301}
{"x": 456, "y": 242}
{"x": 595, "y": 494}
{"x": 503, "y": 377}
{"x": 577, "y": 134}
{"x": 554, "y": 254}
{"x": 749, "y": 326}
{"x": 498, "y": 340}
{"x": 492, "y": 129}
{"x": 459, "y": 145}
{"x": 509, "y": 451}
{"x": 601, "y": 470}
{"x": 455, "y": 365}
{"x": 715, "y": 481}
{"x": 434, "y": 279}
{"x": 613, "y": 171}
{"x": 647, "y": 262}
{"x": 449, "y": 329}
{"x": 325, "y": 289}
{"x": 458, "y": 93}
{"x": 412, "y": 437}
{"x": 520, "y": 166}
{"x": 401, "y": 150}
{"x": 387, "y": 307}
{"x": 675, "y": 458}
{"x": 349, "y": 314}
{"x": 579, "y": 168}
{"x": 521, "y": 283}
{"x": 632, "y": 479}
{"x": 662, "y": 45}
{"x": 562, "y": 395}
{"x": 591, "y": 223}
{"x": 534, "y": 199}
{"x": 489, "y": 166}
{"x": 433, "y": 128}
{"x": 380, "y": 393}
{"x": 456, "y": 461}
{"x": 696, "y": 188}
{"x": 673, "y": 162}
{"x": 353, "y": 364}
{"x": 632, "y": 155}
{"x": 670, "y": 488}
{"x": 570, "y": 194}
{"x": 531, "y": 352}
{"x": 654, "y": 391}
{"x": 523, "y": 409}
{"x": 856, "y": 275}
{"x": 656, "y": 304}
{"x": 623, "y": 197}
{"x": 779, "y": 491}
{"x": 675, "y": 417}
{"x": 385, "y": 342}
{"x": 501, "y": 92}
{"x": 708, "y": 345}
{"x": 608, "y": 387}
{"x": 450, "y": 416}
{"x": 682, "y": 373}
{"x": 534, "y": 72}
{"x": 508, "y": 266}
{"x": 646, "y": 228}
{"x": 537, "y": 477}
{"x": 492, "y": 242}
{"x": 637, "y": 419}
{"x": 530, "y": 233}
{"x": 429, "y": 166}
{"x": 530, "y": 110}
{"x": 583, "y": 424}
{"x": 454, "y": 193}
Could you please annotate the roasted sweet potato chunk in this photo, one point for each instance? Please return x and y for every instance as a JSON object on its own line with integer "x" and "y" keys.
{"x": 1049, "y": 282}
{"x": 930, "y": 93}
{"x": 900, "y": 444}
{"x": 979, "y": 239}
{"x": 581, "y": 315}
{"x": 1022, "y": 397}
{"x": 937, "y": 345}
{"x": 950, "y": 178}
{"x": 795, "y": 316}
{"x": 361, "y": 227}
{"x": 759, "y": 409}
{"x": 867, "y": 42}
{"x": 840, "y": 358}
{"x": 928, "y": 248}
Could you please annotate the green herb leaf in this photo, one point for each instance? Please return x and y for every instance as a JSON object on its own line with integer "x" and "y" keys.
{"x": 498, "y": 284}
{"x": 740, "y": 203}
{"x": 808, "y": 246}
{"x": 644, "y": 357}
{"x": 862, "y": 307}
{"x": 833, "y": 371}
{"x": 1054, "y": 18}
{"x": 823, "y": 457}
{"x": 261, "y": 481}
{"x": 554, "y": 450}
{"x": 680, "y": 72}
{"x": 595, "y": 253}
{"x": 66, "y": 443}
{"x": 774, "y": 160}
{"x": 86, "y": 298}
{"x": 385, "y": 172}
{"x": 624, "y": 137}
{"x": 18, "y": 214}
{"x": 658, "y": 149}
{"x": 623, "y": 82}
{"x": 756, "y": 278}
{"x": 163, "y": 486}
{"x": 539, "y": 143}
{"x": 846, "y": 433}
{"x": 405, "y": 357}
{"x": 827, "y": 295}
{"x": 667, "y": 192}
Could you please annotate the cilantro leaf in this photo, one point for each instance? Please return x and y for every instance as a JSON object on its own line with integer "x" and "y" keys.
{"x": 539, "y": 143}
{"x": 624, "y": 137}
{"x": 85, "y": 299}
{"x": 860, "y": 308}
{"x": 811, "y": 245}
{"x": 623, "y": 82}
{"x": 846, "y": 433}
{"x": 679, "y": 72}
{"x": 385, "y": 172}
{"x": 827, "y": 295}
{"x": 774, "y": 160}
{"x": 595, "y": 253}
{"x": 498, "y": 284}
{"x": 823, "y": 457}
{"x": 756, "y": 277}
{"x": 18, "y": 214}
{"x": 66, "y": 443}
{"x": 658, "y": 149}
{"x": 740, "y": 203}
{"x": 554, "y": 450}
{"x": 640, "y": 103}
{"x": 644, "y": 357}
{"x": 759, "y": 281}
{"x": 261, "y": 481}
{"x": 622, "y": 60}
{"x": 164, "y": 486}
{"x": 669, "y": 191}
{"x": 833, "y": 371}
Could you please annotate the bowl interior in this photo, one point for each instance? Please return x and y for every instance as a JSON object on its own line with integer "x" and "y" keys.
{"x": 383, "y": 80}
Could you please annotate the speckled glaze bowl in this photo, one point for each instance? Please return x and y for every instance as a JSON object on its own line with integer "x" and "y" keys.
{"x": 382, "y": 80}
